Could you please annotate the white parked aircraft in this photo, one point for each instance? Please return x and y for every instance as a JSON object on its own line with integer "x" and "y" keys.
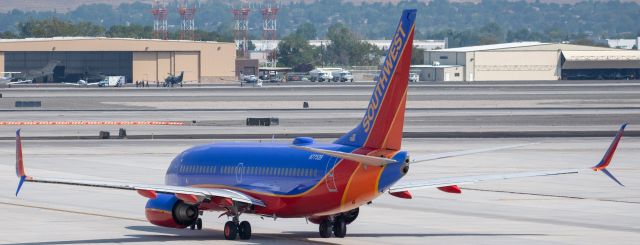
{"x": 10, "y": 78}
{"x": 82, "y": 83}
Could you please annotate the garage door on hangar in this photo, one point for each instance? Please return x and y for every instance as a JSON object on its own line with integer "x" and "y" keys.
{"x": 614, "y": 64}
{"x": 189, "y": 63}
{"x": 157, "y": 65}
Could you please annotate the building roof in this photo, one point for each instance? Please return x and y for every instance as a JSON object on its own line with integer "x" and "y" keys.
{"x": 560, "y": 46}
{"x": 91, "y": 44}
{"x": 267, "y": 68}
{"x": 49, "y": 39}
{"x": 435, "y": 66}
{"x": 491, "y": 47}
{"x": 262, "y": 45}
{"x": 615, "y": 55}
{"x": 528, "y": 46}
{"x": 613, "y": 59}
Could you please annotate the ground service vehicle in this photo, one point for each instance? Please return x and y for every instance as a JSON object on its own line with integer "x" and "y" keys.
{"x": 319, "y": 75}
{"x": 112, "y": 81}
{"x": 343, "y": 76}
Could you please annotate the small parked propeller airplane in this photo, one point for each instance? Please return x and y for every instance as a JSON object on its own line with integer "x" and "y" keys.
{"x": 324, "y": 183}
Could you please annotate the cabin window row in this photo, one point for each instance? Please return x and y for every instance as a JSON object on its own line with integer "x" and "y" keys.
{"x": 263, "y": 171}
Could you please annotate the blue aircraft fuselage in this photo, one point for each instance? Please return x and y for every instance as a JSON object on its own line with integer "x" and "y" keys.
{"x": 270, "y": 170}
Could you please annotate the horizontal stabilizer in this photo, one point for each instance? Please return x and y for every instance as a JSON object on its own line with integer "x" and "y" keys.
{"x": 368, "y": 160}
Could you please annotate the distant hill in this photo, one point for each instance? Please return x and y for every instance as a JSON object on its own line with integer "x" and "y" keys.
{"x": 62, "y": 6}
{"x": 504, "y": 20}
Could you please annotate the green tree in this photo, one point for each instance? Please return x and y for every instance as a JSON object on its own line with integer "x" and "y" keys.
{"x": 417, "y": 56}
{"x": 588, "y": 42}
{"x": 294, "y": 50}
{"x": 8, "y": 35}
{"x": 346, "y": 48}
{"x": 132, "y": 31}
{"x": 491, "y": 33}
{"x": 307, "y": 31}
{"x": 55, "y": 28}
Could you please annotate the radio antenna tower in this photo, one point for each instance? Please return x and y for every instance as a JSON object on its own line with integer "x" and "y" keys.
{"x": 241, "y": 29}
{"x": 270, "y": 30}
{"x": 160, "y": 13}
{"x": 187, "y": 15}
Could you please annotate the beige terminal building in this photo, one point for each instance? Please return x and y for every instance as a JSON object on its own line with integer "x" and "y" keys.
{"x": 136, "y": 59}
{"x": 528, "y": 61}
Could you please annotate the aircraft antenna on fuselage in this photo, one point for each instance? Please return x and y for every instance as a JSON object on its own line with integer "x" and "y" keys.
{"x": 381, "y": 127}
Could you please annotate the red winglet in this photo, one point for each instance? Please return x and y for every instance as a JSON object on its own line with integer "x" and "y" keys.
{"x": 19, "y": 162}
{"x": 606, "y": 159}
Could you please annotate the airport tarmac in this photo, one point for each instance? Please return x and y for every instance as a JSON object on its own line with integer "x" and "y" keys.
{"x": 578, "y": 209}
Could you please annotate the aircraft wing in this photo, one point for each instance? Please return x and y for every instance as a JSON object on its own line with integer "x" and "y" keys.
{"x": 436, "y": 156}
{"x": 187, "y": 194}
{"x": 403, "y": 186}
{"x": 443, "y": 182}
{"x": 20, "y": 82}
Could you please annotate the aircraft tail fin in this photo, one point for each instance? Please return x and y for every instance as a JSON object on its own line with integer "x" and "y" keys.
{"x": 50, "y": 66}
{"x": 381, "y": 127}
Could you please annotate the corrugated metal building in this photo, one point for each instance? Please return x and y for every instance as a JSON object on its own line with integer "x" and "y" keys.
{"x": 137, "y": 59}
{"x": 449, "y": 73}
{"x": 537, "y": 61}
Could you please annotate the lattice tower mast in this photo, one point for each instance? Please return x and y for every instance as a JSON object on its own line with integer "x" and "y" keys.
{"x": 159, "y": 11}
{"x": 241, "y": 28}
{"x": 188, "y": 25}
{"x": 270, "y": 29}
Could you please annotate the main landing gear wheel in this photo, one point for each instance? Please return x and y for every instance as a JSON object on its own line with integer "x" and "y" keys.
{"x": 244, "y": 230}
{"x": 340, "y": 227}
{"x": 230, "y": 230}
{"x": 325, "y": 228}
{"x": 199, "y": 224}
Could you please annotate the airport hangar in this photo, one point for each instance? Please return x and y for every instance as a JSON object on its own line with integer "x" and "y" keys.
{"x": 529, "y": 61}
{"x": 136, "y": 59}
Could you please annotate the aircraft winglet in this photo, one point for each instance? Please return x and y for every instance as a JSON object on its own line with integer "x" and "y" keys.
{"x": 606, "y": 159}
{"x": 19, "y": 162}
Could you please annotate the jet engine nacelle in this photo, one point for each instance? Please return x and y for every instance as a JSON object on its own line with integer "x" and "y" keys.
{"x": 351, "y": 215}
{"x": 168, "y": 211}
{"x": 348, "y": 216}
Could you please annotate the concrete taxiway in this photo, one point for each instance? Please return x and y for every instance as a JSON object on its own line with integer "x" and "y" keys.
{"x": 579, "y": 209}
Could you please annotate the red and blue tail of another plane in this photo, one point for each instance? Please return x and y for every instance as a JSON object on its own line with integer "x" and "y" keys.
{"x": 381, "y": 127}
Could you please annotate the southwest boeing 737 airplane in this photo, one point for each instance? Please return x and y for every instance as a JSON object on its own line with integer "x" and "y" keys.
{"x": 324, "y": 183}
